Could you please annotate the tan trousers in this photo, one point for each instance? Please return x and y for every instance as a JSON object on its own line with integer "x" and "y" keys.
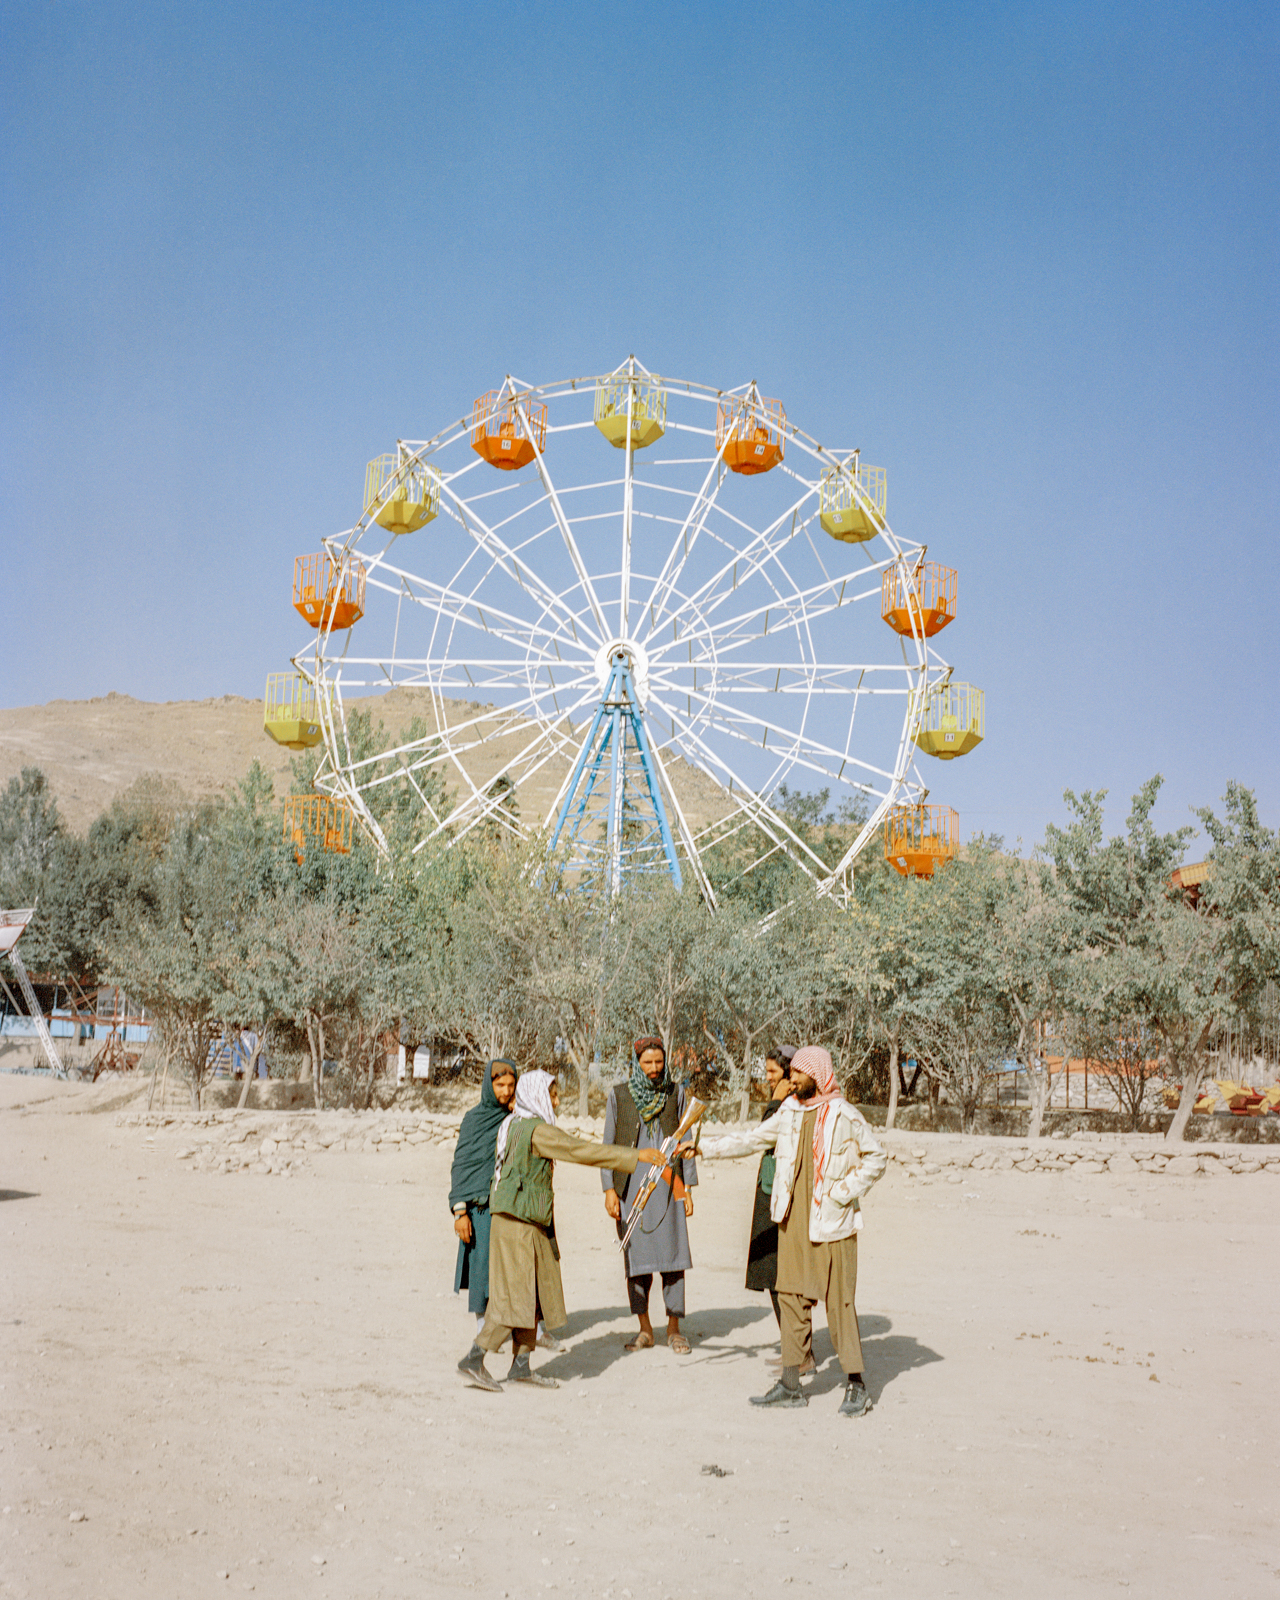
{"x": 842, "y": 1317}
{"x": 493, "y": 1336}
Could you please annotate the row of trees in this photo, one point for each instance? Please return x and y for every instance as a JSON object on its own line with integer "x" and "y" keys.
{"x": 204, "y": 912}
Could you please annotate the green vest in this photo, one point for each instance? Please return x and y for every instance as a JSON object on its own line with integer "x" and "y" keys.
{"x": 523, "y": 1189}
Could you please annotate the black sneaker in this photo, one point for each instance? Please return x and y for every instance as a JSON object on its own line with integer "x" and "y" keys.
{"x": 856, "y": 1402}
{"x": 780, "y": 1395}
{"x": 472, "y": 1368}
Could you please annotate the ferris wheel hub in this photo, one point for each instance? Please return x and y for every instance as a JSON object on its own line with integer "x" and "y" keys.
{"x": 636, "y": 657}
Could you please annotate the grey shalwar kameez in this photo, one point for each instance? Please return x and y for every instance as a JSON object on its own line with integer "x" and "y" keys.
{"x": 660, "y": 1242}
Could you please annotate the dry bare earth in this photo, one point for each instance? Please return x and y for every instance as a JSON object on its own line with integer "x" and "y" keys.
{"x": 92, "y": 750}
{"x": 246, "y": 1383}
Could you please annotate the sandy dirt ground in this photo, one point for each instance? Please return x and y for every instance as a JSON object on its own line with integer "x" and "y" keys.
{"x": 216, "y": 1385}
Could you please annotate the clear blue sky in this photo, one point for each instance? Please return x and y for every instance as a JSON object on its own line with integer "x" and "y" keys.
{"x": 1026, "y": 256}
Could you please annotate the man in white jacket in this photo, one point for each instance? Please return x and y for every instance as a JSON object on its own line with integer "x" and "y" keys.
{"x": 826, "y": 1160}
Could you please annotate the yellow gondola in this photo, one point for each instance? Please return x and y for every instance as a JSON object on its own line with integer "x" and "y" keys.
{"x": 291, "y": 711}
{"x": 851, "y": 502}
{"x": 952, "y": 720}
{"x": 648, "y": 411}
{"x": 401, "y": 493}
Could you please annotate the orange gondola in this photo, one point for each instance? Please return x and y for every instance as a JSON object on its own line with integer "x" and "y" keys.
{"x": 329, "y": 593}
{"x": 318, "y": 819}
{"x": 751, "y": 432}
{"x": 918, "y": 600}
{"x": 505, "y": 428}
{"x": 917, "y": 838}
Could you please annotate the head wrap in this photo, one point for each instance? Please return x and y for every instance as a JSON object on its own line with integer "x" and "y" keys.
{"x": 815, "y": 1063}
{"x": 649, "y": 1097}
{"x": 533, "y": 1099}
{"x": 786, "y": 1055}
{"x": 473, "y": 1154}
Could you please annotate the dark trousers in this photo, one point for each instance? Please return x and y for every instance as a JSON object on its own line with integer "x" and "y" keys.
{"x": 672, "y": 1293}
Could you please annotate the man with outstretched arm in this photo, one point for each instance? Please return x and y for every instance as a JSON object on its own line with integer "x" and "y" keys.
{"x": 827, "y": 1159}
{"x": 524, "y": 1258}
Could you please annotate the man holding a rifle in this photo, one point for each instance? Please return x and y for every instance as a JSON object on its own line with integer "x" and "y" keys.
{"x": 645, "y": 1111}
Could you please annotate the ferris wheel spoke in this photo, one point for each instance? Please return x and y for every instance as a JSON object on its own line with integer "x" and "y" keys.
{"x": 769, "y": 677}
{"x": 452, "y": 606}
{"x": 745, "y": 561}
{"x": 566, "y": 532}
{"x": 784, "y": 743}
{"x": 525, "y": 764}
{"x": 743, "y": 795}
{"x": 506, "y": 559}
{"x": 777, "y": 616}
{"x": 624, "y": 599}
{"x": 683, "y": 545}
{"x": 827, "y": 594}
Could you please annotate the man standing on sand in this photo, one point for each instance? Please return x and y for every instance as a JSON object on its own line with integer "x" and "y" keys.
{"x": 826, "y": 1160}
{"x": 524, "y": 1259}
{"x": 650, "y": 1106}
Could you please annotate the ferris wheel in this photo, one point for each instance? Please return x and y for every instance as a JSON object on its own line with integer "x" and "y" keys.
{"x": 662, "y": 602}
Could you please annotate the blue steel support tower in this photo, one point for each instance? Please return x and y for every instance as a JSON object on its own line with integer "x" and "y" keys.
{"x": 619, "y": 827}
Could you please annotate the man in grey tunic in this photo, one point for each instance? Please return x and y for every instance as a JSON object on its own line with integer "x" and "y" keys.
{"x": 644, "y": 1111}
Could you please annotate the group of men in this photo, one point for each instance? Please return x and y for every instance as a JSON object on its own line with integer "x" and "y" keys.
{"x": 823, "y": 1160}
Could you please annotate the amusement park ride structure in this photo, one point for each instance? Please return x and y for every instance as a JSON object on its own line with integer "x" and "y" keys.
{"x": 731, "y": 595}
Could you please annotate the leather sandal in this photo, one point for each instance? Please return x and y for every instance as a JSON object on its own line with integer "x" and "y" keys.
{"x": 678, "y": 1343}
{"x": 642, "y": 1341}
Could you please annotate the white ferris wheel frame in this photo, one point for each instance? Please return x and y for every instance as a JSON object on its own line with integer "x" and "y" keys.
{"x": 566, "y": 638}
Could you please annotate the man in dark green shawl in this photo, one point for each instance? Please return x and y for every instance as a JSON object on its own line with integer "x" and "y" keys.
{"x": 469, "y": 1184}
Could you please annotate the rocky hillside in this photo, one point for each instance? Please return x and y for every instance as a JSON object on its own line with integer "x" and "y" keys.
{"x": 91, "y": 750}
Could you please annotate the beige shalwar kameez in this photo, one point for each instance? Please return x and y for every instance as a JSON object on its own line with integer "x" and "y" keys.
{"x": 809, "y": 1272}
{"x": 524, "y": 1260}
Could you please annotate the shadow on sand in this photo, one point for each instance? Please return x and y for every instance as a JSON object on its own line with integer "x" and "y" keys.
{"x": 18, "y": 1194}
{"x": 716, "y": 1337}
{"x": 590, "y": 1357}
{"x": 887, "y": 1355}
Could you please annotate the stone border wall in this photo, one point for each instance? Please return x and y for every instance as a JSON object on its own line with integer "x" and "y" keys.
{"x": 282, "y": 1143}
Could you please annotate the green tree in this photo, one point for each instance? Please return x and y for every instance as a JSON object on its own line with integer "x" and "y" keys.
{"x": 174, "y": 948}
{"x": 1147, "y": 961}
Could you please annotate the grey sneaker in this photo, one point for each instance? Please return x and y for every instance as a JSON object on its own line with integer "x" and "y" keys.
{"x": 535, "y": 1379}
{"x": 781, "y": 1396}
{"x": 856, "y": 1402}
{"x": 472, "y": 1368}
{"x": 520, "y": 1373}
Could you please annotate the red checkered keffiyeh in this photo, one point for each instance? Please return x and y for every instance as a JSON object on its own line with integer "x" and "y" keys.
{"x": 815, "y": 1062}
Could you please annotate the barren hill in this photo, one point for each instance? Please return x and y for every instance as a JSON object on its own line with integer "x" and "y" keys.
{"x": 92, "y": 750}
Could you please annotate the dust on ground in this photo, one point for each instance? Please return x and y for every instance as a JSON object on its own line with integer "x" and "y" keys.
{"x": 226, "y": 1384}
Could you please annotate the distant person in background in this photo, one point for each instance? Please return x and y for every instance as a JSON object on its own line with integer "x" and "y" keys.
{"x": 646, "y": 1110}
{"x": 470, "y": 1180}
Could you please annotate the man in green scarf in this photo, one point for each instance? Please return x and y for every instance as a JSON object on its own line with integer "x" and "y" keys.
{"x": 648, "y": 1108}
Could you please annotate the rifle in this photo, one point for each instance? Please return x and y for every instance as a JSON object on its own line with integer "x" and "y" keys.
{"x": 692, "y": 1115}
